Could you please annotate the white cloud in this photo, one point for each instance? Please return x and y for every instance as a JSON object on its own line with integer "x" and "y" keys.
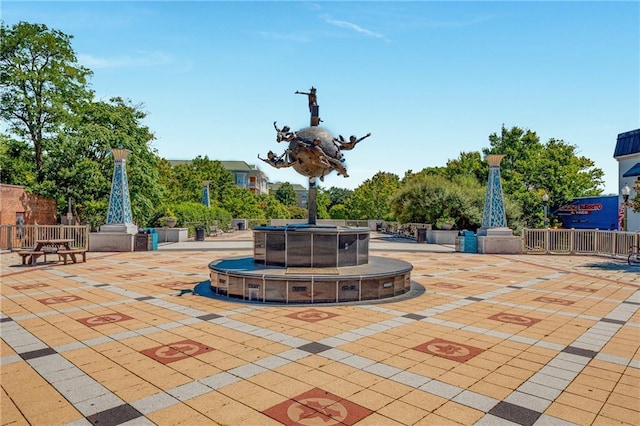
{"x": 141, "y": 59}
{"x": 353, "y": 27}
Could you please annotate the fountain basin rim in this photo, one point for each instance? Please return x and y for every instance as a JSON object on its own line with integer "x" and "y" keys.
{"x": 376, "y": 267}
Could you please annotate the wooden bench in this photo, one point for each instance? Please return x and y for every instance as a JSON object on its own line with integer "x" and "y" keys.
{"x": 72, "y": 254}
{"x": 34, "y": 255}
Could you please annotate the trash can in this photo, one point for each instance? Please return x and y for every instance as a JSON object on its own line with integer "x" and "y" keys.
{"x": 142, "y": 241}
{"x": 467, "y": 242}
{"x": 200, "y": 233}
{"x": 422, "y": 236}
{"x": 154, "y": 238}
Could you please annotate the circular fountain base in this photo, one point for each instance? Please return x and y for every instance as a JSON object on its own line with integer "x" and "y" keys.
{"x": 243, "y": 278}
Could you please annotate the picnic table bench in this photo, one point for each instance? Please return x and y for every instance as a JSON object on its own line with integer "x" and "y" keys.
{"x": 32, "y": 255}
{"x": 72, "y": 254}
{"x": 61, "y": 247}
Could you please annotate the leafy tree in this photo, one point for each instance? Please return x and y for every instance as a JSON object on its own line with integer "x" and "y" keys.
{"x": 338, "y": 195}
{"x": 531, "y": 168}
{"x": 185, "y": 182}
{"x": 338, "y": 211}
{"x": 273, "y": 208}
{"x": 242, "y": 203}
{"x": 79, "y": 163}
{"x": 16, "y": 162}
{"x": 41, "y": 85}
{"x": 322, "y": 203}
{"x": 468, "y": 164}
{"x": 286, "y": 194}
{"x": 370, "y": 199}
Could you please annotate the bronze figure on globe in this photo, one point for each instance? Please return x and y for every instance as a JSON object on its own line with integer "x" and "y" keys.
{"x": 312, "y": 151}
{"x": 309, "y": 262}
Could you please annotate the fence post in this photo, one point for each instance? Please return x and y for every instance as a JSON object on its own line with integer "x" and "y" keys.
{"x": 9, "y": 237}
{"x": 547, "y": 240}
{"x": 572, "y": 241}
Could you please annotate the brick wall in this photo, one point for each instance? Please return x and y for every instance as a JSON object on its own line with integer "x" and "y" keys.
{"x": 14, "y": 199}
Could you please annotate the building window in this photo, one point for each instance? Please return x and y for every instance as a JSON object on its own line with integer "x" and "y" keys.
{"x": 241, "y": 180}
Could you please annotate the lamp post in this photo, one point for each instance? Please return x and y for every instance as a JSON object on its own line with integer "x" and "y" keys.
{"x": 545, "y": 201}
{"x": 625, "y": 205}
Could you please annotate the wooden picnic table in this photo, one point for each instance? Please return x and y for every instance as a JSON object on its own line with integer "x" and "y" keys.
{"x": 60, "y": 246}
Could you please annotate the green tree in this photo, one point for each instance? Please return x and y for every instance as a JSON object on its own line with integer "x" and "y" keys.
{"x": 322, "y": 204}
{"x": 242, "y": 203}
{"x": 468, "y": 164}
{"x": 185, "y": 181}
{"x": 79, "y": 163}
{"x": 273, "y": 208}
{"x": 370, "y": 199}
{"x": 286, "y": 194}
{"x": 41, "y": 85}
{"x": 338, "y": 211}
{"x": 16, "y": 162}
{"x": 338, "y": 195}
{"x": 531, "y": 168}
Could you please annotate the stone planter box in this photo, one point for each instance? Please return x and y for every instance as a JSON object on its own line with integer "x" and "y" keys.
{"x": 172, "y": 235}
{"x": 436, "y": 236}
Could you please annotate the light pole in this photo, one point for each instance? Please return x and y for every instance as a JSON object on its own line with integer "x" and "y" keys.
{"x": 545, "y": 202}
{"x": 625, "y": 205}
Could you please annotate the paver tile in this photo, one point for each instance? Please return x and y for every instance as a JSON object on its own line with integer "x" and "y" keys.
{"x": 566, "y": 356}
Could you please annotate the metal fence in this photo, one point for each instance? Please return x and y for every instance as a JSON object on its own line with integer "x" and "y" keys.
{"x": 579, "y": 241}
{"x": 14, "y": 237}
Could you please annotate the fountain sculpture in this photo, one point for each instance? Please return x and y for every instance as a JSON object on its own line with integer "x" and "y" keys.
{"x": 310, "y": 263}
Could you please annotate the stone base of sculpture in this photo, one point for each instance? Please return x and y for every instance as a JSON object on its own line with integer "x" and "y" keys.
{"x": 111, "y": 241}
{"x": 310, "y": 264}
{"x": 499, "y": 244}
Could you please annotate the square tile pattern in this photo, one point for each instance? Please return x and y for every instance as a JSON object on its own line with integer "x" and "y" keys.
{"x": 486, "y": 340}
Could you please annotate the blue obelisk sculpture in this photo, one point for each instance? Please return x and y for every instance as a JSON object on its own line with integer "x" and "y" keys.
{"x": 494, "y": 236}
{"x": 119, "y": 217}
{"x": 205, "y": 193}
{"x": 493, "y": 215}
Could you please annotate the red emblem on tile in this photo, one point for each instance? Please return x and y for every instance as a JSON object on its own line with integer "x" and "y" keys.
{"x": 60, "y": 299}
{"x": 104, "y": 319}
{"x": 174, "y": 284}
{"x": 450, "y": 350}
{"x": 578, "y": 288}
{"x": 131, "y": 275}
{"x": 317, "y": 408}
{"x": 99, "y": 268}
{"x": 311, "y": 315}
{"x": 544, "y": 299}
{"x": 514, "y": 319}
{"x": 29, "y": 286}
{"x": 176, "y": 351}
{"x": 447, "y": 285}
{"x": 485, "y": 277}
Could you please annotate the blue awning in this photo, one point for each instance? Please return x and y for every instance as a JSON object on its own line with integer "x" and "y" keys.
{"x": 634, "y": 171}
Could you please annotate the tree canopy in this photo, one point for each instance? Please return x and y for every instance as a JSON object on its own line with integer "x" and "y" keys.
{"x": 41, "y": 85}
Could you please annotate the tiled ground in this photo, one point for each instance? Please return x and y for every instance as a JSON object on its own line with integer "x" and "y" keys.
{"x": 494, "y": 340}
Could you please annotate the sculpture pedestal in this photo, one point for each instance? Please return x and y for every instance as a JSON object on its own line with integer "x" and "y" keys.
{"x": 111, "y": 241}
{"x": 498, "y": 241}
{"x": 114, "y": 237}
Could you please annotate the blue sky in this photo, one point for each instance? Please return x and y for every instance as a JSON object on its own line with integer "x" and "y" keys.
{"x": 428, "y": 79}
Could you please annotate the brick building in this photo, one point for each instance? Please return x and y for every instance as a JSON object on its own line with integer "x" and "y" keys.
{"x": 15, "y": 202}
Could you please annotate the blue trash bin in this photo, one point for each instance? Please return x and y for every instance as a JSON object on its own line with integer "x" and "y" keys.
{"x": 468, "y": 242}
{"x": 154, "y": 238}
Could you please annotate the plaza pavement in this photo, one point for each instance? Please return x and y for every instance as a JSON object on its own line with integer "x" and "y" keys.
{"x": 492, "y": 340}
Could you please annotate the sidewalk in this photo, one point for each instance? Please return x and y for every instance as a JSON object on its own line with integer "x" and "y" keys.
{"x": 493, "y": 340}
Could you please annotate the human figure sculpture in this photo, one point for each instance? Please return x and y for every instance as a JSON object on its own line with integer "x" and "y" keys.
{"x": 313, "y": 99}
{"x": 277, "y": 161}
{"x": 327, "y": 161}
{"x": 346, "y": 146}
{"x": 285, "y": 134}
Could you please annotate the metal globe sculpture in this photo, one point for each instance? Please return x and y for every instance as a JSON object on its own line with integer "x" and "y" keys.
{"x": 313, "y": 151}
